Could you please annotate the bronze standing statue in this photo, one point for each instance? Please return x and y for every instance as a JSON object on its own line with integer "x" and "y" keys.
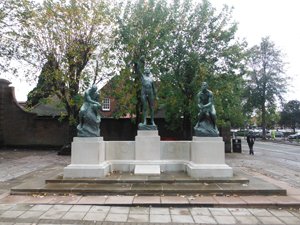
{"x": 148, "y": 95}
{"x": 89, "y": 117}
{"x": 206, "y": 125}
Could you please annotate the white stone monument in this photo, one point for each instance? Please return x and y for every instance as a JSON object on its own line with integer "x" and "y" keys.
{"x": 208, "y": 158}
{"x": 147, "y": 151}
{"x": 87, "y": 158}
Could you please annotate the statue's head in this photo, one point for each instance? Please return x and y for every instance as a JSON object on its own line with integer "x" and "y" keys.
{"x": 94, "y": 88}
{"x": 204, "y": 86}
{"x": 147, "y": 71}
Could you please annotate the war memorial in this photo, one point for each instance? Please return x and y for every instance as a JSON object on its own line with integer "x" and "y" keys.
{"x": 149, "y": 176}
{"x": 145, "y": 166}
{"x": 203, "y": 157}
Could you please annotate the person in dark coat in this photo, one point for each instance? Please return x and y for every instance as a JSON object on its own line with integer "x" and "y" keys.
{"x": 250, "y": 141}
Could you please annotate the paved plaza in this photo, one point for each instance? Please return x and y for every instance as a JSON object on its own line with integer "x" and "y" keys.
{"x": 19, "y": 166}
{"x": 94, "y": 214}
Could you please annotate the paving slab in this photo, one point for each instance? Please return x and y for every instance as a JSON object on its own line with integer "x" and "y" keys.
{"x": 270, "y": 220}
{"x": 204, "y": 220}
{"x": 160, "y": 218}
{"x": 33, "y": 205}
{"x": 146, "y": 200}
{"x": 110, "y": 215}
{"x": 247, "y": 219}
{"x": 92, "y": 200}
{"x": 290, "y": 220}
{"x": 202, "y": 200}
{"x": 119, "y": 200}
{"x": 95, "y": 216}
{"x": 138, "y": 218}
{"x": 229, "y": 200}
{"x": 174, "y": 200}
{"x": 139, "y": 210}
{"x": 182, "y": 219}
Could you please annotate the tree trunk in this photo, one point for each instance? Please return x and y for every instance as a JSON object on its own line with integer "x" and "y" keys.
{"x": 263, "y": 121}
{"x": 72, "y": 132}
{"x": 263, "y": 110}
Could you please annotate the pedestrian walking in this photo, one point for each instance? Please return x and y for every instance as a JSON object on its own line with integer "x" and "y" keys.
{"x": 250, "y": 141}
{"x": 273, "y": 134}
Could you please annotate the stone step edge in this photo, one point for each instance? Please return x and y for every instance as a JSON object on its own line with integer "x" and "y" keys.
{"x": 129, "y": 192}
{"x": 130, "y": 181}
{"x": 189, "y": 203}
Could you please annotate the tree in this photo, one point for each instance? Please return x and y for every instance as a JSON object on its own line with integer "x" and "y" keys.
{"x": 184, "y": 44}
{"x": 290, "y": 115}
{"x": 76, "y": 35}
{"x": 272, "y": 117}
{"x": 7, "y": 24}
{"x": 201, "y": 47}
{"x": 142, "y": 32}
{"x": 45, "y": 85}
{"x": 265, "y": 78}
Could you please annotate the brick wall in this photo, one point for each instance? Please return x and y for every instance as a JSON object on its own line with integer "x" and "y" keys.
{"x": 21, "y": 128}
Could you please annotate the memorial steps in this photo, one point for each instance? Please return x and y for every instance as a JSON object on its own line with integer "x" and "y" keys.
{"x": 168, "y": 184}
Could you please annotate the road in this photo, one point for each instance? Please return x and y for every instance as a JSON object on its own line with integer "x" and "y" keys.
{"x": 279, "y": 161}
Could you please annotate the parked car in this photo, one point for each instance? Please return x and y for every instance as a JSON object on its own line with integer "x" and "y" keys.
{"x": 294, "y": 136}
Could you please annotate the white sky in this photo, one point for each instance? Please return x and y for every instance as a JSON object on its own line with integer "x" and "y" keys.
{"x": 278, "y": 19}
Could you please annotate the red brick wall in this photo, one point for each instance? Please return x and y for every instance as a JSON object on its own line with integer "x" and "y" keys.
{"x": 108, "y": 114}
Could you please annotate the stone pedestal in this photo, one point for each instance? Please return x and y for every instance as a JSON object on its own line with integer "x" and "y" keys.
{"x": 208, "y": 158}
{"x": 207, "y": 150}
{"x": 147, "y": 149}
{"x": 147, "y": 145}
{"x": 87, "y": 158}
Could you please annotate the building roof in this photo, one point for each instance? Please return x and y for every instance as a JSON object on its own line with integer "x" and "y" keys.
{"x": 50, "y": 107}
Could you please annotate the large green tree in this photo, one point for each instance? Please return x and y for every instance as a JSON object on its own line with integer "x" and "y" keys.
{"x": 290, "y": 114}
{"x": 266, "y": 81}
{"x": 184, "y": 43}
{"x": 142, "y": 33}
{"x": 76, "y": 35}
{"x": 201, "y": 47}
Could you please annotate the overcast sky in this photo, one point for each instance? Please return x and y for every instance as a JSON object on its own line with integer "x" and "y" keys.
{"x": 278, "y": 19}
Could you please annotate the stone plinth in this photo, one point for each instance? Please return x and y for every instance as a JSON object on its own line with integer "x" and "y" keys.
{"x": 87, "y": 158}
{"x": 207, "y": 150}
{"x": 147, "y": 145}
{"x": 87, "y": 150}
{"x": 147, "y": 148}
{"x": 208, "y": 158}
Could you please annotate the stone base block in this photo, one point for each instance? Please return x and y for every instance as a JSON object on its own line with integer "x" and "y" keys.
{"x": 88, "y": 150}
{"x": 87, "y": 159}
{"x": 209, "y": 170}
{"x": 207, "y": 150}
{"x": 147, "y": 170}
{"x": 87, "y": 170}
{"x": 208, "y": 158}
{"x": 147, "y": 145}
